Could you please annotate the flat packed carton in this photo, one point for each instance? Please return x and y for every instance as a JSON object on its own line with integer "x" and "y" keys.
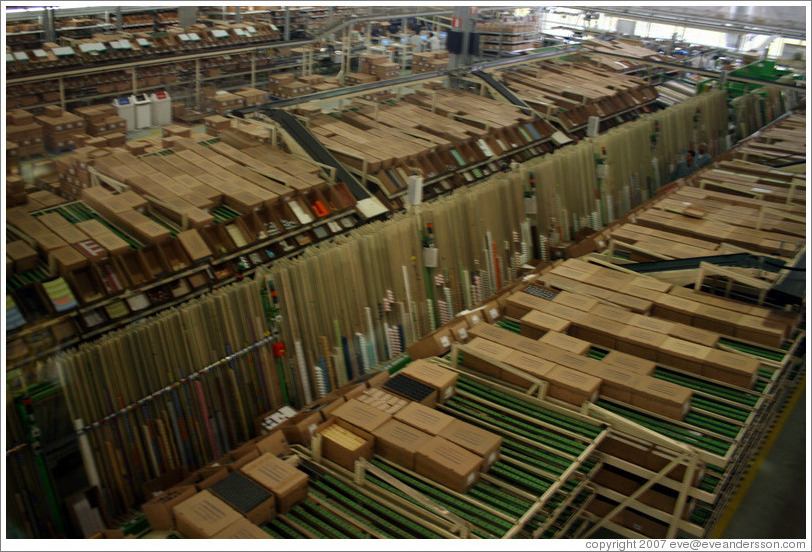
{"x": 441, "y": 379}
{"x": 399, "y": 442}
{"x": 158, "y": 509}
{"x": 246, "y": 496}
{"x": 662, "y": 397}
{"x": 363, "y": 416}
{"x": 483, "y": 443}
{"x": 242, "y": 529}
{"x": 288, "y": 484}
{"x": 342, "y": 450}
{"x": 448, "y": 464}
{"x": 203, "y": 515}
{"x": 423, "y": 418}
{"x": 572, "y": 386}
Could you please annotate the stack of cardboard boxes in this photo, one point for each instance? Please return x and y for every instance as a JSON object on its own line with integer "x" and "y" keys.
{"x": 286, "y": 85}
{"x": 25, "y": 132}
{"x": 101, "y": 121}
{"x": 429, "y": 62}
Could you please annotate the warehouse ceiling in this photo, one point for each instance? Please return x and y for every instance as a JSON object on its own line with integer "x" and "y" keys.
{"x": 786, "y": 21}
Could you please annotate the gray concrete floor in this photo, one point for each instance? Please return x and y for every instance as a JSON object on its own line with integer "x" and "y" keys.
{"x": 774, "y": 506}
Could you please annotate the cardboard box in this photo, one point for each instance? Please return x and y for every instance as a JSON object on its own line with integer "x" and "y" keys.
{"x": 22, "y": 255}
{"x": 428, "y": 373}
{"x": 246, "y": 496}
{"x": 205, "y": 477}
{"x": 158, "y": 509}
{"x": 675, "y": 309}
{"x": 203, "y": 515}
{"x": 436, "y": 343}
{"x": 242, "y": 529}
{"x": 618, "y": 384}
{"x": 530, "y": 364}
{"x": 566, "y": 342}
{"x": 399, "y": 442}
{"x": 571, "y": 386}
{"x": 631, "y": 363}
{"x": 288, "y": 484}
{"x": 410, "y": 389}
{"x": 340, "y": 450}
{"x": 378, "y": 379}
{"x": 165, "y": 481}
{"x": 683, "y": 355}
{"x": 575, "y": 301}
{"x": 535, "y": 323}
{"x": 716, "y": 319}
{"x": 489, "y": 350}
{"x": 484, "y": 444}
{"x": 639, "y": 342}
{"x": 596, "y": 330}
{"x": 662, "y": 397}
{"x": 759, "y": 330}
{"x": 501, "y": 336}
{"x": 695, "y": 335}
{"x": 300, "y": 428}
{"x": 616, "y": 314}
{"x": 423, "y": 418}
{"x": 362, "y": 416}
{"x": 274, "y": 443}
{"x": 448, "y": 464}
{"x": 731, "y": 368}
{"x": 650, "y": 323}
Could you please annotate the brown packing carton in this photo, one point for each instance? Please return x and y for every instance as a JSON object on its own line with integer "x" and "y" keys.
{"x": 483, "y": 443}
{"x": 158, "y": 509}
{"x": 650, "y": 323}
{"x": 618, "y": 384}
{"x": 399, "y": 442}
{"x": 662, "y": 397}
{"x": 159, "y": 484}
{"x": 492, "y": 312}
{"x": 716, "y": 319}
{"x": 441, "y": 379}
{"x": 565, "y": 342}
{"x": 203, "y": 515}
{"x": 596, "y": 330}
{"x": 238, "y": 459}
{"x": 631, "y": 363}
{"x": 520, "y": 303}
{"x": 535, "y": 323}
{"x": 759, "y": 330}
{"x": 299, "y": 429}
{"x": 459, "y": 330}
{"x": 242, "y": 529}
{"x": 571, "y": 386}
{"x": 732, "y": 368}
{"x": 23, "y": 256}
{"x": 639, "y": 342}
{"x": 205, "y": 477}
{"x": 436, "y": 343}
{"x": 562, "y": 311}
{"x": 233, "y": 488}
{"x": 524, "y": 362}
{"x": 675, "y": 309}
{"x": 68, "y": 259}
{"x": 448, "y": 464}
{"x": 695, "y": 335}
{"x": 194, "y": 245}
{"x": 274, "y": 443}
{"x": 345, "y": 454}
{"x": 362, "y": 416}
{"x": 576, "y": 301}
{"x": 423, "y": 418}
{"x": 489, "y": 332}
{"x": 482, "y": 351}
{"x": 288, "y": 484}
{"x": 621, "y": 316}
{"x": 683, "y": 355}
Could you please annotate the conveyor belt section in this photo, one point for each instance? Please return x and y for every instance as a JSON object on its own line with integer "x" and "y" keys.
{"x": 316, "y": 151}
{"x": 504, "y": 91}
{"x": 740, "y": 260}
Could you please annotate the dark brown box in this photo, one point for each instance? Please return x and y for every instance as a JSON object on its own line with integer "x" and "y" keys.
{"x": 158, "y": 509}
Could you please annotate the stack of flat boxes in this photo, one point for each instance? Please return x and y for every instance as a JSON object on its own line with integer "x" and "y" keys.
{"x": 23, "y": 130}
{"x": 429, "y": 62}
{"x": 59, "y": 128}
{"x": 226, "y": 101}
{"x": 252, "y": 96}
{"x": 285, "y": 85}
{"x": 101, "y": 121}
